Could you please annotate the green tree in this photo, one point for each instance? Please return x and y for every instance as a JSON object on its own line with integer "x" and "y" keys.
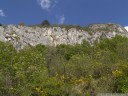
{"x": 21, "y": 24}
{"x": 45, "y": 23}
{"x": 7, "y": 72}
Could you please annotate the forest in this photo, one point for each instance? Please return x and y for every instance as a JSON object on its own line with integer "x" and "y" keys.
{"x": 65, "y": 70}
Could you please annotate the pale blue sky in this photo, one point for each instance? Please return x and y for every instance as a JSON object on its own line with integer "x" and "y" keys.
{"x": 76, "y": 12}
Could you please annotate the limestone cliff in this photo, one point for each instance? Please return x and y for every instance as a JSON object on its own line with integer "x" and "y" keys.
{"x": 21, "y": 36}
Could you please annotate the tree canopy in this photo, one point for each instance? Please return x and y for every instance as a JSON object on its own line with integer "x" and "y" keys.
{"x": 45, "y": 23}
{"x": 65, "y": 70}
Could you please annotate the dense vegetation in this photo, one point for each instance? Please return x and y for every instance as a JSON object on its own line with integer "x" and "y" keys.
{"x": 65, "y": 70}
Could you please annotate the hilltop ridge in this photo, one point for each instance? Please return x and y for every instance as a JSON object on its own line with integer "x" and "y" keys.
{"x": 22, "y": 36}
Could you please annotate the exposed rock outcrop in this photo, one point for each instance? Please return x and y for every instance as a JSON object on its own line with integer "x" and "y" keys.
{"x": 21, "y": 36}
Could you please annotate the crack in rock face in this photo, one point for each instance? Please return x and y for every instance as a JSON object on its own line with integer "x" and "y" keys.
{"x": 22, "y": 36}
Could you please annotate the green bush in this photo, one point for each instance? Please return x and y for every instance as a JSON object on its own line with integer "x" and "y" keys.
{"x": 65, "y": 70}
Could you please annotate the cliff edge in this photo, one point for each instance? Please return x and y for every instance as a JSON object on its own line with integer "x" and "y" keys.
{"x": 22, "y": 36}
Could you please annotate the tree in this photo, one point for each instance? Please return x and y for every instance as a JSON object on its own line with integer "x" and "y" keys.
{"x": 0, "y": 24}
{"x": 21, "y": 24}
{"x": 45, "y": 23}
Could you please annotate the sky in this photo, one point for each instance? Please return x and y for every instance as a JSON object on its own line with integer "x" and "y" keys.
{"x": 74, "y": 12}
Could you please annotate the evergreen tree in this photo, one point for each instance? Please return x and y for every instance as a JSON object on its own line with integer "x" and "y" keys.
{"x": 45, "y": 23}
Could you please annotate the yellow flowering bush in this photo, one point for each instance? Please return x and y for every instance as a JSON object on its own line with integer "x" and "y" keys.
{"x": 117, "y": 73}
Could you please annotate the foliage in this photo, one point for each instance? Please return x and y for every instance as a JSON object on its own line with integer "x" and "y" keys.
{"x": 21, "y": 24}
{"x": 65, "y": 70}
{"x": 45, "y": 23}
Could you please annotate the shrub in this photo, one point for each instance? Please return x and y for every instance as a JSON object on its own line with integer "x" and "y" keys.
{"x": 45, "y": 23}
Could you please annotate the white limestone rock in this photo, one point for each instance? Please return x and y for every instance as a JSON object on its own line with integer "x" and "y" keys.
{"x": 22, "y": 36}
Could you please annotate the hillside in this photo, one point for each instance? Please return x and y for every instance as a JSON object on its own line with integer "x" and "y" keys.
{"x": 21, "y": 36}
{"x": 69, "y": 66}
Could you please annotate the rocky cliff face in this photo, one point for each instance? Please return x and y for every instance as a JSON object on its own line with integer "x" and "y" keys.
{"x": 21, "y": 36}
